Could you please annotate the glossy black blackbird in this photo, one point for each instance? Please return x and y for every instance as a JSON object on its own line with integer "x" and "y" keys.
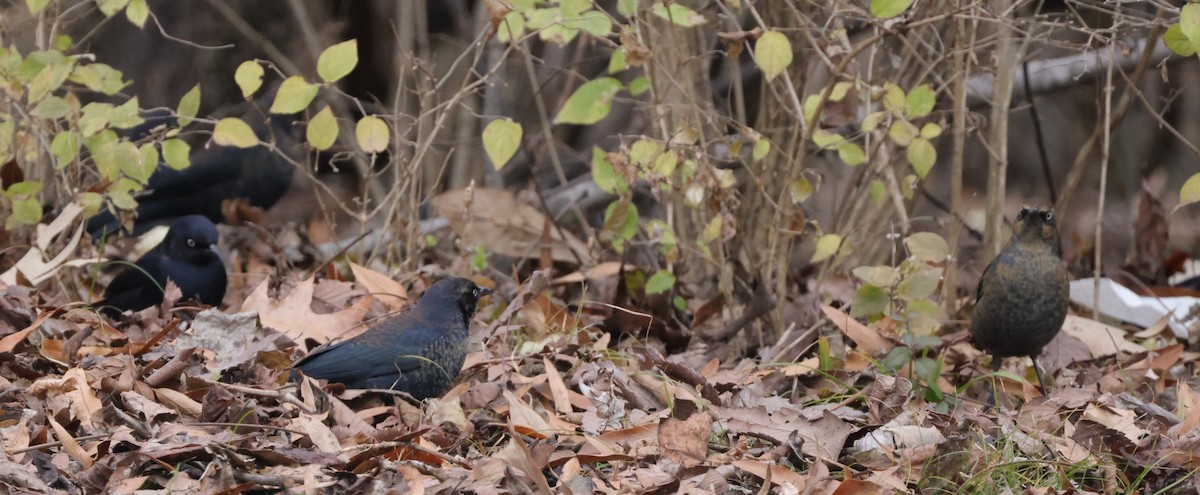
{"x": 188, "y": 256}
{"x": 420, "y": 351}
{"x": 1023, "y": 294}
{"x": 217, "y": 173}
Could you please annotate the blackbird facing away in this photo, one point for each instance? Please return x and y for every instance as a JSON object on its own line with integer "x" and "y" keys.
{"x": 420, "y": 351}
{"x": 1023, "y": 294}
{"x": 188, "y": 256}
{"x": 258, "y": 175}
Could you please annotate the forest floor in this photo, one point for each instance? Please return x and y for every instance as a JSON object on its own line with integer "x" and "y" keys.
{"x": 575, "y": 383}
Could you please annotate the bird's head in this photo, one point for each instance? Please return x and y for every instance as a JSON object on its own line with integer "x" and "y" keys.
{"x": 455, "y": 290}
{"x": 1036, "y": 224}
{"x": 192, "y": 238}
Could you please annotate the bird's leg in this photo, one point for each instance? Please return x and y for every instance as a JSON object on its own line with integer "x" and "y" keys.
{"x": 991, "y": 402}
{"x": 1037, "y": 370}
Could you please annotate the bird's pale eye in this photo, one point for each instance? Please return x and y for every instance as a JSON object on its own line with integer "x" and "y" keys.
{"x": 191, "y": 243}
{"x": 1048, "y": 216}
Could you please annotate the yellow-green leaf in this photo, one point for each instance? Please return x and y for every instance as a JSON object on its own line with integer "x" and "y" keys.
{"x": 927, "y": 247}
{"x": 902, "y": 132}
{"x": 827, "y": 246}
{"x": 293, "y": 96}
{"x": 511, "y": 28}
{"x": 51, "y": 107}
{"x": 1178, "y": 42}
{"x": 893, "y": 98}
{"x": 249, "y": 77}
{"x": 1190, "y": 192}
{"x": 918, "y": 285}
{"x": 232, "y": 131}
{"x": 149, "y": 158}
{"x": 872, "y": 121}
{"x": 95, "y": 118}
{"x": 660, "y": 282}
{"x": 372, "y": 133}
{"x": 36, "y": 6}
{"x": 337, "y": 61}
{"x": 501, "y": 138}
{"x": 322, "y": 130}
{"x": 801, "y": 190}
{"x": 639, "y": 85}
{"x": 604, "y": 175}
{"x": 590, "y": 102}
{"x": 617, "y": 62}
{"x": 65, "y": 147}
{"x": 137, "y": 12}
{"x": 176, "y": 153}
{"x": 595, "y": 23}
{"x": 851, "y": 154}
{"x": 840, "y": 90}
{"x": 678, "y": 14}
{"x": 920, "y": 101}
{"x": 761, "y": 148}
{"x": 126, "y": 115}
{"x": 24, "y": 212}
{"x": 644, "y": 150}
{"x": 1189, "y": 22}
{"x": 887, "y": 9}
{"x": 110, "y": 7}
{"x": 931, "y": 130}
{"x": 773, "y": 53}
{"x": 826, "y": 139}
{"x": 712, "y": 231}
{"x": 921, "y": 154}
{"x": 189, "y": 105}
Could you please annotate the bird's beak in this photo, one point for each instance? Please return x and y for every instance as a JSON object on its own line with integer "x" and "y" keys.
{"x": 484, "y": 292}
{"x": 217, "y": 252}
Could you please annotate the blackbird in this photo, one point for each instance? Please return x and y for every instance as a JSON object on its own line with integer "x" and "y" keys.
{"x": 188, "y": 256}
{"x": 1022, "y": 296}
{"x": 259, "y": 175}
{"x": 419, "y": 352}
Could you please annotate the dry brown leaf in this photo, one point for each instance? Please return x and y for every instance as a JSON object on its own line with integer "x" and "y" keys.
{"x": 524, "y": 419}
{"x": 603, "y": 270}
{"x": 70, "y": 445}
{"x": 558, "y": 389}
{"x": 9, "y": 342}
{"x": 869, "y": 341}
{"x": 685, "y": 442}
{"x": 823, "y": 438}
{"x": 394, "y": 295}
{"x": 178, "y": 401}
{"x": 1120, "y": 420}
{"x": 506, "y": 226}
{"x": 1189, "y": 412}
{"x": 1102, "y": 340}
{"x": 319, "y": 434}
{"x": 778, "y": 474}
{"x": 294, "y": 315}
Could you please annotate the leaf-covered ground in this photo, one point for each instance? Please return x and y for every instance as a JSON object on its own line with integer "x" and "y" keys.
{"x": 575, "y": 384}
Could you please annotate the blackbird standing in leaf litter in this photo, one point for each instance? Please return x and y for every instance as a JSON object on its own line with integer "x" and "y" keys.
{"x": 419, "y": 352}
{"x": 1022, "y": 296}
{"x": 188, "y": 256}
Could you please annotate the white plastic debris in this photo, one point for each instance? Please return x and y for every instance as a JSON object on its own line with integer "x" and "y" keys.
{"x": 1120, "y": 303}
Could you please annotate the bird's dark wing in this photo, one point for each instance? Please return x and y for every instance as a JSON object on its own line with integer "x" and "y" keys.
{"x": 137, "y": 285}
{"x": 986, "y": 272}
{"x": 351, "y": 361}
{"x": 394, "y": 346}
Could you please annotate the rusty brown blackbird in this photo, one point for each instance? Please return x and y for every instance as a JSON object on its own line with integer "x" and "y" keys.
{"x": 188, "y": 256}
{"x": 1022, "y": 296}
{"x": 419, "y": 352}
